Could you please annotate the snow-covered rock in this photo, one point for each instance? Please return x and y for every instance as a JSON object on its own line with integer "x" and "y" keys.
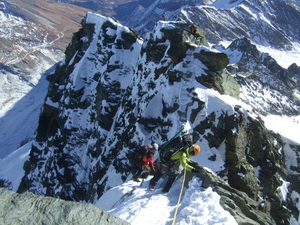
{"x": 116, "y": 90}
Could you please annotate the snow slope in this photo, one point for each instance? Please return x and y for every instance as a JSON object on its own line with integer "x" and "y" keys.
{"x": 19, "y": 117}
{"x": 11, "y": 167}
{"x": 22, "y": 92}
{"x": 134, "y": 203}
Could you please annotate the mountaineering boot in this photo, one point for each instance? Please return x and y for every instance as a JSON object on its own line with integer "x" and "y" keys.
{"x": 165, "y": 190}
{"x": 136, "y": 179}
{"x": 151, "y": 187}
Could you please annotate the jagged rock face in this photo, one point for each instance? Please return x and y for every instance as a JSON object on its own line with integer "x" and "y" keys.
{"x": 84, "y": 101}
{"x": 254, "y": 166}
{"x": 82, "y": 114}
{"x": 116, "y": 91}
{"x": 260, "y": 73}
{"x": 33, "y": 209}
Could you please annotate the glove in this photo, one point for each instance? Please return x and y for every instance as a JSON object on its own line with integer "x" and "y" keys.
{"x": 195, "y": 170}
{"x": 192, "y": 163}
{"x": 146, "y": 167}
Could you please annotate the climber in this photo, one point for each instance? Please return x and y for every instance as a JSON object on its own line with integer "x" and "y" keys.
{"x": 171, "y": 168}
{"x": 193, "y": 28}
{"x": 164, "y": 17}
{"x": 145, "y": 161}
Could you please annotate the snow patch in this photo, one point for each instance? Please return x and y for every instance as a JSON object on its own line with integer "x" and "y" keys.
{"x": 226, "y": 4}
{"x": 11, "y": 168}
{"x": 287, "y": 126}
{"x": 132, "y": 202}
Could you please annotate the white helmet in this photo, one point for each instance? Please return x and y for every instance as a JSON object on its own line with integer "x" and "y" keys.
{"x": 155, "y": 146}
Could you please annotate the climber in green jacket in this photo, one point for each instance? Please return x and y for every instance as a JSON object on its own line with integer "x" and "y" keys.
{"x": 172, "y": 167}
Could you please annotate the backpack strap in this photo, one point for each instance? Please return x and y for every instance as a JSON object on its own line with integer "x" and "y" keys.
{"x": 166, "y": 143}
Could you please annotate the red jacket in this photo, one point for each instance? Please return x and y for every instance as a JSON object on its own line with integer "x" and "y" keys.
{"x": 193, "y": 29}
{"x": 148, "y": 161}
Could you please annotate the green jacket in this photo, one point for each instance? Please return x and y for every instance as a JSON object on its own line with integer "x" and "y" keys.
{"x": 182, "y": 158}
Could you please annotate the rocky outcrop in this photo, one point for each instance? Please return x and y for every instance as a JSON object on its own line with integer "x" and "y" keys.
{"x": 217, "y": 76}
{"x": 245, "y": 210}
{"x": 254, "y": 173}
{"x": 27, "y": 208}
{"x": 181, "y": 41}
{"x": 258, "y": 73}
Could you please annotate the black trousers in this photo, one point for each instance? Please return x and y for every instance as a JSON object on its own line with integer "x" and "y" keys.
{"x": 158, "y": 175}
{"x": 141, "y": 174}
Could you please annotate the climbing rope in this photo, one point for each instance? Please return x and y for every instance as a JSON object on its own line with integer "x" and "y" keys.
{"x": 179, "y": 198}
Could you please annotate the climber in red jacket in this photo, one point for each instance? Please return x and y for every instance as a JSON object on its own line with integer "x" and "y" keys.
{"x": 193, "y": 28}
{"x": 145, "y": 162}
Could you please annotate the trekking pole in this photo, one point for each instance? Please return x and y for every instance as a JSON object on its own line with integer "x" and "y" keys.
{"x": 141, "y": 184}
{"x": 166, "y": 143}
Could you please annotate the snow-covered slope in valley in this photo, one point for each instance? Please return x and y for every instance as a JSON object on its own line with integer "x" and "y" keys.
{"x": 20, "y": 120}
{"x": 33, "y": 39}
{"x": 14, "y": 84}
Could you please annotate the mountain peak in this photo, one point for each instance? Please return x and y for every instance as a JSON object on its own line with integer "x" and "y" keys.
{"x": 116, "y": 91}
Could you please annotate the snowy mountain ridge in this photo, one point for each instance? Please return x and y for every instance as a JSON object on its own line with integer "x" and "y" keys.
{"x": 116, "y": 90}
{"x": 271, "y": 25}
{"x": 100, "y": 107}
{"x": 136, "y": 204}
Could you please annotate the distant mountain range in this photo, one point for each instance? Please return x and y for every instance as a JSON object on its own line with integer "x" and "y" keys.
{"x": 267, "y": 23}
{"x": 119, "y": 9}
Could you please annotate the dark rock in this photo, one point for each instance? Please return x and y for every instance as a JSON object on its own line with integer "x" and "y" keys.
{"x": 181, "y": 40}
{"x": 217, "y": 77}
{"x": 242, "y": 208}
